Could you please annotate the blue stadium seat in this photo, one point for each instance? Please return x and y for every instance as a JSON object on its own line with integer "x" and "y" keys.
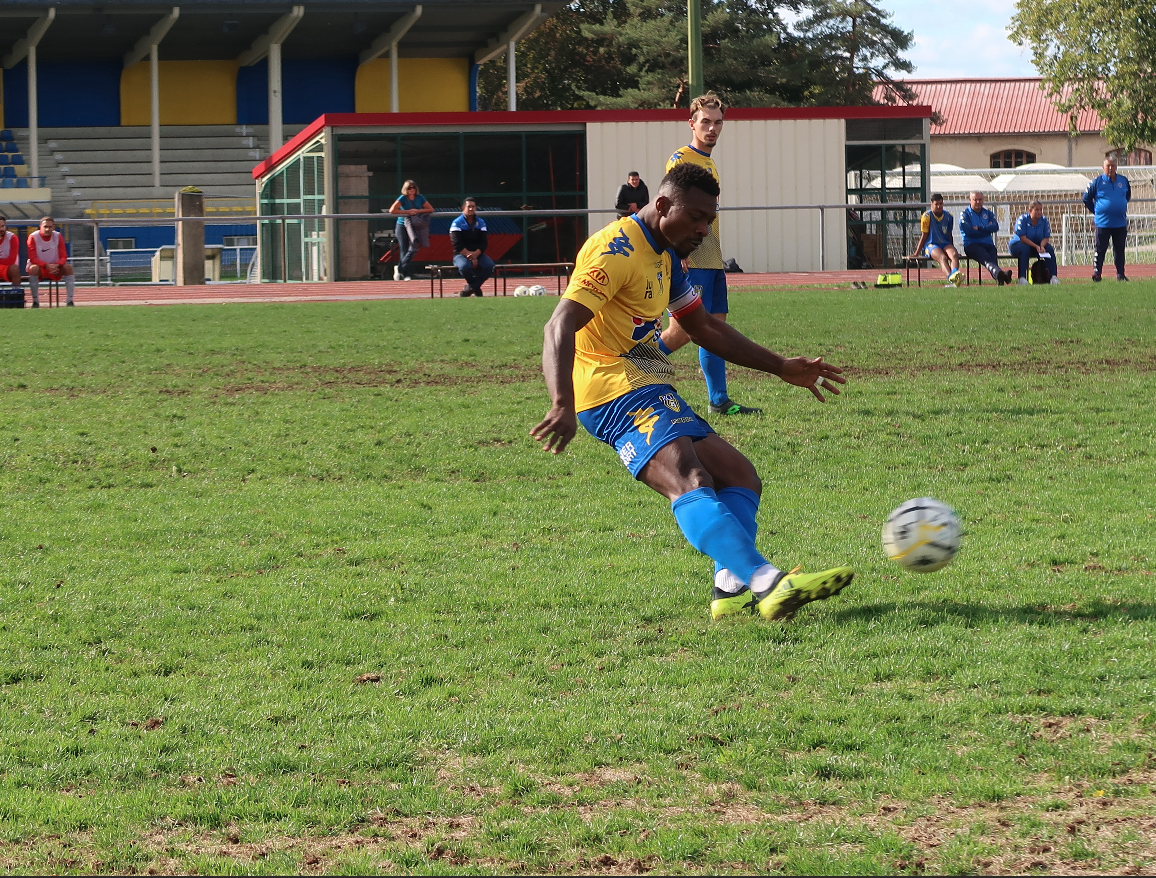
{"x": 16, "y": 158}
{"x": 6, "y": 136}
{"x": 8, "y": 183}
{"x": 3, "y": 158}
{"x": 10, "y": 146}
{"x": 8, "y": 171}
{"x": 22, "y": 183}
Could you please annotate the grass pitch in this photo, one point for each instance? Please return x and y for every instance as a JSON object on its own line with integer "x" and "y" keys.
{"x": 289, "y": 589}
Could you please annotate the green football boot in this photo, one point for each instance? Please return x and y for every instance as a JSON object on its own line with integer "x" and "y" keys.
{"x": 730, "y": 407}
{"x": 725, "y": 603}
{"x": 794, "y": 590}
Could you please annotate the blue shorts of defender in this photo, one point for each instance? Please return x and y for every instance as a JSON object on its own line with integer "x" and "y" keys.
{"x": 711, "y": 284}
{"x": 927, "y": 250}
{"x": 639, "y": 423}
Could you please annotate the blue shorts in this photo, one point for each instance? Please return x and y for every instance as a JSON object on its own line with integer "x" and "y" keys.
{"x": 927, "y": 250}
{"x": 711, "y": 284}
{"x": 639, "y": 423}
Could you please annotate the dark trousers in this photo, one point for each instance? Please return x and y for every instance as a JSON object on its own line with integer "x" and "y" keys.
{"x": 985, "y": 255}
{"x": 1024, "y": 254}
{"x": 475, "y": 277}
{"x": 407, "y": 250}
{"x": 1116, "y": 236}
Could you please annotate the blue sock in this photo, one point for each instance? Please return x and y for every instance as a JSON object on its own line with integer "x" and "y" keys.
{"x": 743, "y": 504}
{"x": 711, "y": 528}
{"x": 662, "y": 347}
{"x": 714, "y": 370}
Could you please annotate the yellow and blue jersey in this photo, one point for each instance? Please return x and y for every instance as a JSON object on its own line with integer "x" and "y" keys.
{"x": 709, "y": 252}
{"x": 937, "y": 228}
{"x": 627, "y": 281}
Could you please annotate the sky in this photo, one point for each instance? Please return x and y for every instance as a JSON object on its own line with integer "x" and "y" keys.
{"x": 949, "y": 44}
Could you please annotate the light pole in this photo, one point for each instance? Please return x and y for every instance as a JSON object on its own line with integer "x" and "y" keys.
{"x": 694, "y": 47}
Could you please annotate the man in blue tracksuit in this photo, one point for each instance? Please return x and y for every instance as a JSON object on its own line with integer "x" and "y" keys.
{"x": 978, "y": 225}
{"x": 1107, "y": 197}
{"x": 1033, "y": 237}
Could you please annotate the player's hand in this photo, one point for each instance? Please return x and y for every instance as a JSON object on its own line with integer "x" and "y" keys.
{"x": 815, "y": 375}
{"x": 556, "y": 429}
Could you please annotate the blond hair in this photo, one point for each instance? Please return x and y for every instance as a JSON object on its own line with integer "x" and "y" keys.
{"x": 407, "y": 184}
{"x": 704, "y": 101}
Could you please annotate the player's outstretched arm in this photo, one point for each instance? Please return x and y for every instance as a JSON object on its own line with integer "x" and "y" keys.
{"x": 725, "y": 341}
{"x": 561, "y": 423}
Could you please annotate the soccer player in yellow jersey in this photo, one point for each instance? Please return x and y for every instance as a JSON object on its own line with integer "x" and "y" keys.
{"x": 603, "y": 367}
{"x": 705, "y": 265}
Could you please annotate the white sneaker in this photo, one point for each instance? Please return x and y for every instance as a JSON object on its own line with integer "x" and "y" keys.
{"x": 949, "y": 286}
{"x": 1055, "y": 280}
{"x": 1023, "y": 281}
{"x": 396, "y": 273}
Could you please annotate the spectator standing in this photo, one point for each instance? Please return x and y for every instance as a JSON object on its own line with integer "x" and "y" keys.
{"x": 1032, "y": 237}
{"x": 1107, "y": 197}
{"x": 469, "y": 239}
{"x": 935, "y": 240}
{"x": 9, "y": 255}
{"x": 632, "y": 195}
{"x": 978, "y": 225}
{"x": 410, "y": 208}
{"x": 48, "y": 258}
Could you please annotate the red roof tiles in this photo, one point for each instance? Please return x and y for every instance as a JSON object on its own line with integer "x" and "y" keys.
{"x": 994, "y": 106}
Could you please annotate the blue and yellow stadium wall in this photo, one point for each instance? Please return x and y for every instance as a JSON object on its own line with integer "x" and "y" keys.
{"x": 104, "y": 93}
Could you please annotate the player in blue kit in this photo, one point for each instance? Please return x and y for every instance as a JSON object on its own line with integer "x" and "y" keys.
{"x": 604, "y": 368}
{"x": 935, "y": 241}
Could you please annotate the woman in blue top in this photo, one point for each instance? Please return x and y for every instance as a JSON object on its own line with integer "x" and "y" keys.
{"x": 409, "y": 203}
{"x": 1033, "y": 237}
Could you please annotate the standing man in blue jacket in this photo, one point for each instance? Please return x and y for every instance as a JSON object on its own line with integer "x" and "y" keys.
{"x": 978, "y": 225}
{"x": 1107, "y": 197}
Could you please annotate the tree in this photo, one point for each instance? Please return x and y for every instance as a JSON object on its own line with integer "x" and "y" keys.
{"x": 632, "y": 53}
{"x": 1095, "y": 56}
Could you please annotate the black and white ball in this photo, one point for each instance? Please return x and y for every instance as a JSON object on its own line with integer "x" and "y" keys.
{"x": 922, "y": 535}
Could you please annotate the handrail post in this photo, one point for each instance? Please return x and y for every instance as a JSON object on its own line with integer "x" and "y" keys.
{"x": 96, "y": 252}
{"x": 822, "y": 239}
{"x": 284, "y": 254}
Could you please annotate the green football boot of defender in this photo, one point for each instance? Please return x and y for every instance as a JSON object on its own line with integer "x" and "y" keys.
{"x": 724, "y": 603}
{"x": 796, "y": 589}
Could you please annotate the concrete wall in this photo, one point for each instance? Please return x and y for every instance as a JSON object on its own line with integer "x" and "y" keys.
{"x": 425, "y": 85}
{"x": 1087, "y": 150}
{"x": 761, "y": 162}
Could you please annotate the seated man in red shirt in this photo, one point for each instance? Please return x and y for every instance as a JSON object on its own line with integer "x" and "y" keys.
{"x": 9, "y": 254}
{"x": 48, "y": 258}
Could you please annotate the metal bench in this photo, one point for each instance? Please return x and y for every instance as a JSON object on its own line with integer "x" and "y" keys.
{"x": 532, "y": 269}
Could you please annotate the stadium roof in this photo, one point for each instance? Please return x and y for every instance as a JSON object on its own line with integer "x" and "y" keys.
{"x": 994, "y": 106}
{"x": 208, "y": 30}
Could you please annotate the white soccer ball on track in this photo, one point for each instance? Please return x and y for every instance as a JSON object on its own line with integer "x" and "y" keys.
{"x": 521, "y": 291}
{"x": 536, "y": 290}
{"x": 922, "y": 535}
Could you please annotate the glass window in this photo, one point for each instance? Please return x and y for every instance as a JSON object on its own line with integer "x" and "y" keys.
{"x": 294, "y": 250}
{"x": 1012, "y": 158}
{"x": 1135, "y": 158}
{"x": 880, "y": 175}
{"x": 120, "y": 244}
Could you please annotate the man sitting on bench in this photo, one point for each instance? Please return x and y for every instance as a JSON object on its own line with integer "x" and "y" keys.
{"x": 978, "y": 225}
{"x": 48, "y": 258}
{"x": 935, "y": 226}
{"x": 1033, "y": 237}
{"x": 9, "y": 255}
{"x": 469, "y": 238}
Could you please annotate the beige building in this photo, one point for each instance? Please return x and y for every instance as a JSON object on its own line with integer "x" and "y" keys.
{"x": 1005, "y": 123}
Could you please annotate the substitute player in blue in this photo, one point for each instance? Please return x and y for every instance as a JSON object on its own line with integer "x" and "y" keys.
{"x": 705, "y": 266}
{"x": 1107, "y": 197}
{"x": 603, "y": 367}
{"x": 979, "y": 225}
{"x": 935, "y": 240}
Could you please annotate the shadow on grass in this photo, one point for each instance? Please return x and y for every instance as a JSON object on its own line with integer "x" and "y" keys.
{"x": 956, "y": 612}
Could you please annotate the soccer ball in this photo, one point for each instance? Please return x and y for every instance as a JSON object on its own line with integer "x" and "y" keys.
{"x": 921, "y": 535}
{"x": 521, "y": 291}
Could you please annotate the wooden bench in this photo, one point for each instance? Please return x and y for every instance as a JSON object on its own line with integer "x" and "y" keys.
{"x": 532, "y": 269}
{"x": 921, "y": 262}
{"x": 561, "y": 270}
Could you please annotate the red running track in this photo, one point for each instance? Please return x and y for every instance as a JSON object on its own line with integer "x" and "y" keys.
{"x": 419, "y": 289}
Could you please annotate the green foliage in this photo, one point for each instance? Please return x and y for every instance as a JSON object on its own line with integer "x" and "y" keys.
{"x": 1097, "y": 55}
{"x": 287, "y": 588}
{"x": 632, "y": 53}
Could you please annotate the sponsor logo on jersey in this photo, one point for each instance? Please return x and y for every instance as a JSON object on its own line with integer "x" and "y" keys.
{"x": 584, "y": 281}
{"x": 643, "y": 328}
{"x": 619, "y": 245}
{"x": 671, "y": 402}
{"x": 627, "y": 453}
{"x": 681, "y": 420}
{"x": 644, "y": 421}
{"x": 599, "y": 276}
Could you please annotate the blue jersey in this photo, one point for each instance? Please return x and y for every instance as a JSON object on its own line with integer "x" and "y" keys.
{"x": 1108, "y": 200}
{"x": 937, "y": 228}
{"x": 977, "y": 226}
{"x": 1036, "y": 233}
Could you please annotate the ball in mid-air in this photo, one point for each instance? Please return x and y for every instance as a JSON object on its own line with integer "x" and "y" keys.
{"x": 921, "y": 535}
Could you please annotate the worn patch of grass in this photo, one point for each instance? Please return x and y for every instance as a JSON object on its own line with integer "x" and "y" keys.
{"x": 288, "y": 588}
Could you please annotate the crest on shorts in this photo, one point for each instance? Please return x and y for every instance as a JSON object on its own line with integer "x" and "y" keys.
{"x": 671, "y": 402}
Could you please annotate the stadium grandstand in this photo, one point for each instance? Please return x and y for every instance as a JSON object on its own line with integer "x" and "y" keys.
{"x": 108, "y": 108}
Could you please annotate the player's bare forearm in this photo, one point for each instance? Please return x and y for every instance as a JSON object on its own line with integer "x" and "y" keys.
{"x": 561, "y": 423}
{"x": 725, "y": 341}
{"x": 919, "y": 247}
